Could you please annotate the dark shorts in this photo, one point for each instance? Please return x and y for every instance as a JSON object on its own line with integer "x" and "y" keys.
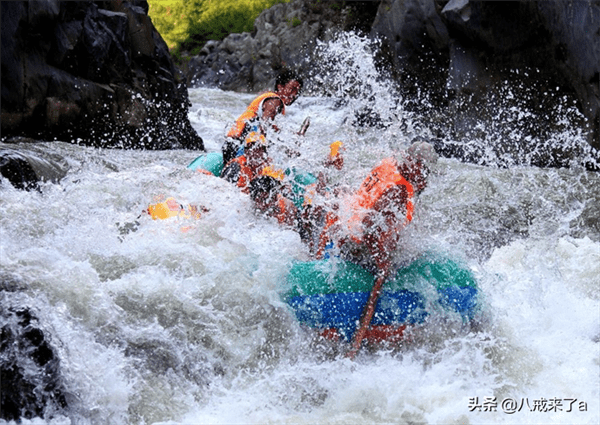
{"x": 229, "y": 149}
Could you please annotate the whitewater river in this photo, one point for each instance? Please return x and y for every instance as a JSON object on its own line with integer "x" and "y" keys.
{"x": 164, "y": 325}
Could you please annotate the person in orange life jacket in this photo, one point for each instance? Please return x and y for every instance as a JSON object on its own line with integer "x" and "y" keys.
{"x": 273, "y": 199}
{"x": 262, "y": 111}
{"x": 291, "y": 203}
{"x": 367, "y": 225}
{"x": 242, "y": 169}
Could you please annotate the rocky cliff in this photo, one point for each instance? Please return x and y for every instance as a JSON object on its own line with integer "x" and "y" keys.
{"x": 461, "y": 52}
{"x": 284, "y": 35}
{"x": 95, "y": 73}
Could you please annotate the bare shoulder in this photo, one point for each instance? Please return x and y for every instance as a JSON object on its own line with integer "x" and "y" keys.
{"x": 271, "y": 107}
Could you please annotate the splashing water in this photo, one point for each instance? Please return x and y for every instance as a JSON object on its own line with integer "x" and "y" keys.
{"x": 172, "y": 325}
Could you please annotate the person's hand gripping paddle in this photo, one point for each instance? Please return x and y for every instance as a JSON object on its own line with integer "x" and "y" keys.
{"x": 367, "y": 314}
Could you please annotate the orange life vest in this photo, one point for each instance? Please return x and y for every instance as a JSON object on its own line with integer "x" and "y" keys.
{"x": 382, "y": 178}
{"x": 245, "y": 174}
{"x": 239, "y": 127}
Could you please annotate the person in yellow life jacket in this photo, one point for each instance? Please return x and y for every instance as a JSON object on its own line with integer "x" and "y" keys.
{"x": 367, "y": 225}
{"x": 262, "y": 111}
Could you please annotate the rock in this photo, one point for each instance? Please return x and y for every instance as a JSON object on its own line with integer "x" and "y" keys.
{"x": 96, "y": 73}
{"x": 18, "y": 171}
{"x": 559, "y": 41}
{"x": 575, "y": 29}
{"x": 465, "y": 54}
{"x": 284, "y": 36}
{"x": 413, "y": 32}
{"x": 25, "y": 167}
{"x": 32, "y": 383}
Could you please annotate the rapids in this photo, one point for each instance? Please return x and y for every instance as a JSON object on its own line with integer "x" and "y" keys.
{"x": 165, "y": 325}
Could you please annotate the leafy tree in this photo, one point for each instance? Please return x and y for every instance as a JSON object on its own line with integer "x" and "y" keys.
{"x": 191, "y": 23}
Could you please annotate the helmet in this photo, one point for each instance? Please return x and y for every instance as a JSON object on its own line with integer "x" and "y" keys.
{"x": 424, "y": 153}
{"x": 417, "y": 163}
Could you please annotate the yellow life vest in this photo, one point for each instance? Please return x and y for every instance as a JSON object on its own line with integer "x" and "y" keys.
{"x": 171, "y": 208}
{"x": 239, "y": 127}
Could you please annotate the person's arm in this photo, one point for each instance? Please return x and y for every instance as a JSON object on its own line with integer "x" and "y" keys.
{"x": 383, "y": 225}
{"x": 270, "y": 109}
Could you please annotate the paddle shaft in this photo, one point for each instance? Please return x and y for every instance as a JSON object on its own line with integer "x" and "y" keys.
{"x": 304, "y": 126}
{"x": 367, "y": 315}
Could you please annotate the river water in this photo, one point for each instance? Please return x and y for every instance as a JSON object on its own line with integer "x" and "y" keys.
{"x": 171, "y": 325}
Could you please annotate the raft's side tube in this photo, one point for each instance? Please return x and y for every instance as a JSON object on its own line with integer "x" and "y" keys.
{"x": 331, "y": 276}
{"x": 331, "y": 294}
{"x": 211, "y": 162}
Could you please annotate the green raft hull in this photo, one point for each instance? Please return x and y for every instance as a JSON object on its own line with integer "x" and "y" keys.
{"x": 330, "y": 295}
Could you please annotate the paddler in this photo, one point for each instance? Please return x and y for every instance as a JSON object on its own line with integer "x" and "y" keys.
{"x": 287, "y": 195}
{"x": 364, "y": 226}
{"x": 367, "y": 225}
{"x": 253, "y": 163}
{"x": 261, "y": 112}
{"x": 273, "y": 198}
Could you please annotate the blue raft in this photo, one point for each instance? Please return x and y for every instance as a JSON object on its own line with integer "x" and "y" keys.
{"x": 211, "y": 162}
{"x": 330, "y": 295}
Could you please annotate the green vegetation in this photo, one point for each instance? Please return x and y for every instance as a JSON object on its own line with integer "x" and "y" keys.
{"x": 189, "y": 24}
{"x": 294, "y": 22}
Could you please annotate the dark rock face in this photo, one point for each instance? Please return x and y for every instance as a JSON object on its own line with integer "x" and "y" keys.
{"x": 558, "y": 41}
{"x": 284, "y": 35}
{"x": 17, "y": 169}
{"x": 460, "y": 52}
{"x": 25, "y": 167}
{"x": 96, "y": 73}
{"x": 30, "y": 369}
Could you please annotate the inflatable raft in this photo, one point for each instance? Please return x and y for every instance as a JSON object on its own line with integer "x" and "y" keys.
{"x": 212, "y": 164}
{"x": 330, "y": 296}
{"x": 208, "y": 163}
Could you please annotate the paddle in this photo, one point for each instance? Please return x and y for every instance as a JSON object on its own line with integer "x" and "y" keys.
{"x": 367, "y": 315}
{"x": 293, "y": 153}
{"x": 304, "y": 126}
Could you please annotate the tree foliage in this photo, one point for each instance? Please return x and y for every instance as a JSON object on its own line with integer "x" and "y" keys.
{"x": 188, "y": 23}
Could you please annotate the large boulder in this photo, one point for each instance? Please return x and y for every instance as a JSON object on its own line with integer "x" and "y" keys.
{"x": 95, "y": 73}
{"x": 284, "y": 36}
{"x": 415, "y": 40}
{"x": 31, "y": 378}
{"x": 25, "y": 165}
{"x": 479, "y": 60}
{"x": 551, "y": 44}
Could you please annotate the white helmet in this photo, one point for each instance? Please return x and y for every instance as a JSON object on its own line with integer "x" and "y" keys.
{"x": 423, "y": 152}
